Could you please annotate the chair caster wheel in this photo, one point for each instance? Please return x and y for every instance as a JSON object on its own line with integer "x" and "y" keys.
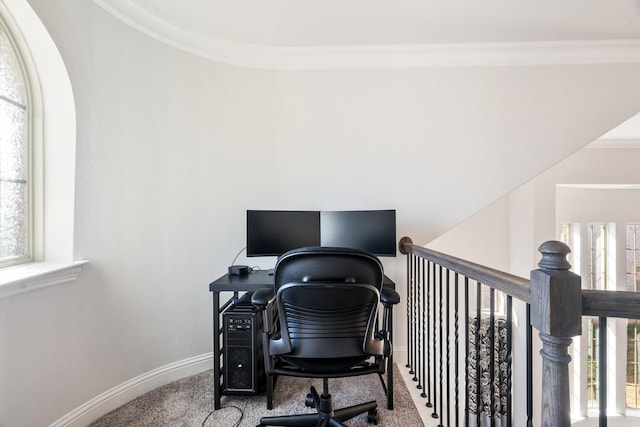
{"x": 373, "y": 417}
{"x": 309, "y": 402}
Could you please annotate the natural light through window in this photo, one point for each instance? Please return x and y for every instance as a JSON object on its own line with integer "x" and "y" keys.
{"x": 36, "y": 202}
{"x": 597, "y": 235}
{"x": 599, "y": 273}
{"x": 15, "y": 206}
{"x": 632, "y": 281}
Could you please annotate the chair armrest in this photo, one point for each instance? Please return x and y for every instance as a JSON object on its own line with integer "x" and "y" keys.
{"x": 261, "y": 298}
{"x": 389, "y": 296}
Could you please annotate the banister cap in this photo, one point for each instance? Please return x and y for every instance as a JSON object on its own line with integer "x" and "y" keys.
{"x": 554, "y": 256}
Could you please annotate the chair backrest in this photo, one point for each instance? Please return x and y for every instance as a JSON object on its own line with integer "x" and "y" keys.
{"x": 327, "y": 301}
{"x": 328, "y": 264}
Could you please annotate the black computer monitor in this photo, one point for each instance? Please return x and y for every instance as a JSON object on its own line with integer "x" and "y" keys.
{"x": 373, "y": 231}
{"x": 272, "y": 233}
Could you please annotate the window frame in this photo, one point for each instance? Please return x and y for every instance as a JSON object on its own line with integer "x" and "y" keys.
{"x": 615, "y": 270}
{"x": 30, "y": 148}
{"x": 54, "y": 144}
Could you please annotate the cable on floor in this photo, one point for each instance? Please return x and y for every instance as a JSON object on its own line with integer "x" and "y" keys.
{"x": 241, "y": 410}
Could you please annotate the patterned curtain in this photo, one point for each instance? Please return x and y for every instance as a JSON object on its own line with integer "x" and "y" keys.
{"x": 480, "y": 397}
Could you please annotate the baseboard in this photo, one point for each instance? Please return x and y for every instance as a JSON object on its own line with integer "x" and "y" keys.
{"x": 129, "y": 390}
{"x": 400, "y": 355}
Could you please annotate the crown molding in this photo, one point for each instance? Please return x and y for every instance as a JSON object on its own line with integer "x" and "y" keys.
{"x": 601, "y": 186}
{"x": 619, "y": 143}
{"x": 162, "y": 28}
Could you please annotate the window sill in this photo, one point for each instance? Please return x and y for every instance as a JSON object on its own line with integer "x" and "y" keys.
{"x": 37, "y": 275}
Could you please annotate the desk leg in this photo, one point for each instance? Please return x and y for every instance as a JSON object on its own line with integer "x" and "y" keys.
{"x": 390, "y": 364}
{"x": 216, "y": 350}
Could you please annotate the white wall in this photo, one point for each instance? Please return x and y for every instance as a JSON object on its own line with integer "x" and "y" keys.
{"x": 507, "y": 234}
{"x": 172, "y": 149}
{"x": 482, "y": 238}
{"x": 536, "y": 209}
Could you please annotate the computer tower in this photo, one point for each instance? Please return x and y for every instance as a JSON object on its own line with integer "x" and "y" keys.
{"x": 243, "y": 361}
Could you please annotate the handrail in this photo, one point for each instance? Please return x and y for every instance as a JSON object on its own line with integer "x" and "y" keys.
{"x": 510, "y": 284}
{"x": 621, "y": 304}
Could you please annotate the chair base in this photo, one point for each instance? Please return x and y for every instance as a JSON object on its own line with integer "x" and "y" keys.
{"x": 326, "y": 416}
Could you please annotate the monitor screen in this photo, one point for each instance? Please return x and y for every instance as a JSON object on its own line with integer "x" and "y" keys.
{"x": 372, "y": 231}
{"x": 272, "y": 233}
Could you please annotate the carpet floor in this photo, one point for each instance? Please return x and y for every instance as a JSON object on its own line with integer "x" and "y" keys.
{"x": 189, "y": 403}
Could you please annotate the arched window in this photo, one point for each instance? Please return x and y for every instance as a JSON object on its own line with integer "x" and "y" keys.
{"x": 15, "y": 151}
{"x": 37, "y": 129}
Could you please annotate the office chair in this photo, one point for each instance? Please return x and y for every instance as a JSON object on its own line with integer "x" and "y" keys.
{"x": 326, "y": 303}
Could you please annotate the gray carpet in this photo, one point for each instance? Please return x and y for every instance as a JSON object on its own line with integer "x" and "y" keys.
{"x": 189, "y": 403}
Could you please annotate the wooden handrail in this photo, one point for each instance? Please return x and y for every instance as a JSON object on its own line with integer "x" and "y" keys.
{"x": 621, "y": 304}
{"x": 510, "y": 284}
{"x": 611, "y": 304}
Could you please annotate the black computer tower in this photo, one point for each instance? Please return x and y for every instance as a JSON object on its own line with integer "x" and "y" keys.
{"x": 243, "y": 362}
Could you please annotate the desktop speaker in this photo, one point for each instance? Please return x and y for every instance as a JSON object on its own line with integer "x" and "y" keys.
{"x": 243, "y": 362}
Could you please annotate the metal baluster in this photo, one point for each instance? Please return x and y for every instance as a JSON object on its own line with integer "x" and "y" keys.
{"x": 425, "y": 309}
{"x": 477, "y": 347}
{"x": 529, "y": 368}
{"x": 602, "y": 372}
{"x": 492, "y": 358}
{"x": 430, "y": 385}
{"x": 509, "y": 357}
{"x": 448, "y": 373}
{"x": 409, "y": 323}
{"x": 434, "y": 414}
{"x": 420, "y": 319}
{"x": 416, "y": 326}
{"x": 440, "y": 342}
{"x": 456, "y": 352}
{"x": 466, "y": 351}
{"x": 414, "y": 319}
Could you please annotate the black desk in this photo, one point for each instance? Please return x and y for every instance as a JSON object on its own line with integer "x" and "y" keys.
{"x": 253, "y": 281}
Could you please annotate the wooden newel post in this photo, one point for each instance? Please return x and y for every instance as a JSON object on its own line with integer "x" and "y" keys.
{"x": 556, "y": 312}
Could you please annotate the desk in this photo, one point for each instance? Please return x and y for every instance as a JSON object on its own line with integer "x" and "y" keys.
{"x": 253, "y": 281}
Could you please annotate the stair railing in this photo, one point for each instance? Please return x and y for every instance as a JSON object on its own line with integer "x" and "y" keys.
{"x": 437, "y": 283}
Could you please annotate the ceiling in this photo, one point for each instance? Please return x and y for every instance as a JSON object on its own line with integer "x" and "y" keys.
{"x": 304, "y": 34}
{"x": 301, "y": 34}
{"x": 375, "y": 22}
{"x": 627, "y": 134}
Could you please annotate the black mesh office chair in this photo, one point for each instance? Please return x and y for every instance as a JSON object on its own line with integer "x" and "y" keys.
{"x": 327, "y": 327}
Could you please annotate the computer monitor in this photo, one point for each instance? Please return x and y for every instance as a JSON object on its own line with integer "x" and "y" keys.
{"x": 272, "y": 233}
{"x": 373, "y": 231}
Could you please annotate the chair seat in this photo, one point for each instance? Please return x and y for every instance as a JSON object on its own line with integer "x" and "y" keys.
{"x": 321, "y": 367}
